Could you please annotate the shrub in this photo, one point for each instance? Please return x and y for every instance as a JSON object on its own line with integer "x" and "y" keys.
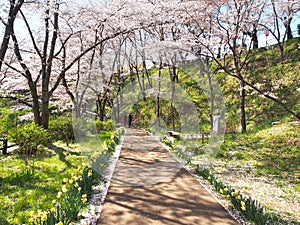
{"x": 104, "y": 125}
{"x": 7, "y": 120}
{"x": 61, "y": 129}
{"x": 29, "y": 137}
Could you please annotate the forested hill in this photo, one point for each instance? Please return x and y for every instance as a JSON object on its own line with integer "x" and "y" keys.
{"x": 265, "y": 70}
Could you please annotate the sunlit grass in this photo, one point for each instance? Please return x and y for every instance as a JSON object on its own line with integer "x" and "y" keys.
{"x": 31, "y": 184}
{"x": 271, "y": 149}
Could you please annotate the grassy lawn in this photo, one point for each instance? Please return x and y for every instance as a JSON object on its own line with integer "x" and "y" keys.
{"x": 32, "y": 184}
{"x": 267, "y": 163}
{"x": 263, "y": 164}
{"x": 274, "y": 152}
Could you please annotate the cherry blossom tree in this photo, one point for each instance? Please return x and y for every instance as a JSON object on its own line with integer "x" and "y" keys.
{"x": 278, "y": 17}
{"x": 227, "y": 27}
{"x": 45, "y": 61}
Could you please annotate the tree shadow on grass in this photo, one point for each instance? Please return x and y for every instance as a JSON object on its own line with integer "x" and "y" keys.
{"x": 60, "y": 151}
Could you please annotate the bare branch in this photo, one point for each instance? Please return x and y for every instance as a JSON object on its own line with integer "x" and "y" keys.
{"x": 31, "y": 35}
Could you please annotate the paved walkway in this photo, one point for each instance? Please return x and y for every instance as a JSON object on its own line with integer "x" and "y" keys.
{"x": 150, "y": 187}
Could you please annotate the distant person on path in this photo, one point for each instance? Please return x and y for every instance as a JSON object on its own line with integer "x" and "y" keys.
{"x": 129, "y": 120}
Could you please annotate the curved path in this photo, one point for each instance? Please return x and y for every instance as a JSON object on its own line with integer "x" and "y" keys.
{"x": 150, "y": 187}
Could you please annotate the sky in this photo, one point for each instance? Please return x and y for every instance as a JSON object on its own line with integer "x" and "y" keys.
{"x": 271, "y": 40}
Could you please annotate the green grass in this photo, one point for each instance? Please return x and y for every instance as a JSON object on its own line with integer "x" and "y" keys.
{"x": 32, "y": 184}
{"x": 271, "y": 150}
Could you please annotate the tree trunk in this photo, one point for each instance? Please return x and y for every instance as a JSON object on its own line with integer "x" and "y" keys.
{"x": 281, "y": 49}
{"x": 242, "y": 107}
{"x": 141, "y": 83}
{"x": 13, "y": 11}
{"x": 5, "y": 42}
{"x": 146, "y": 72}
{"x": 255, "y": 39}
{"x": 5, "y": 146}
{"x": 35, "y": 103}
{"x": 212, "y": 101}
{"x": 288, "y": 29}
{"x": 101, "y": 108}
{"x": 173, "y": 116}
{"x": 45, "y": 112}
{"x": 158, "y": 95}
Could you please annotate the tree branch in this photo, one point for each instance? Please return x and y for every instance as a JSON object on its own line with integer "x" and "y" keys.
{"x": 31, "y": 35}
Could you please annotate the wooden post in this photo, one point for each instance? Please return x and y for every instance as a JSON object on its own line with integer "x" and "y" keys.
{"x": 4, "y": 150}
{"x": 202, "y": 138}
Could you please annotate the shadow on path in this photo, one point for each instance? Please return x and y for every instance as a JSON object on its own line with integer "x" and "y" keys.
{"x": 172, "y": 196}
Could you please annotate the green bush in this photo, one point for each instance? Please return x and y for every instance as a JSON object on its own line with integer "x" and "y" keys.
{"x": 7, "y": 121}
{"x": 61, "y": 129}
{"x": 29, "y": 137}
{"x": 104, "y": 125}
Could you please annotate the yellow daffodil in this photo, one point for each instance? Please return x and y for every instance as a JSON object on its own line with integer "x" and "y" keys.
{"x": 65, "y": 180}
{"x": 226, "y": 189}
{"x": 52, "y": 209}
{"x": 209, "y": 178}
{"x": 64, "y": 189}
{"x": 59, "y": 194}
{"x": 195, "y": 167}
{"x": 221, "y": 191}
{"x": 85, "y": 165}
{"x": 43, "y": 216}
{"x": 60, "y": 223}
{"x": 84, "y": 200}
{"x": 70, "y": 181}
{"x": 79, "y": 189}
{"x": 31, "y": 213}
{"x": 76, "y": 185}
{"x": 84, "y": 196}
{"x": 90, "y": 173}
{"x": 243, "y": 203}
{"x": 238, "y": 197}
{"x": 53, "y": 201}
{"x": 268, "y": 205}
{"x": 243, "y": 208}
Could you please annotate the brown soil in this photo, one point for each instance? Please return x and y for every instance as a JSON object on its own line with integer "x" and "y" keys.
{"x": 150, "y": 187}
